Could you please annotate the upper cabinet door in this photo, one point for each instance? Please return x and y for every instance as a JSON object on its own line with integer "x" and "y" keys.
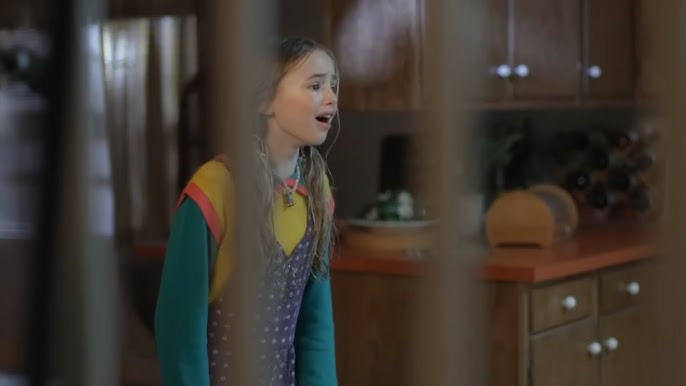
{"x": 532, "y": 51}
{"x": 492, "y": 59}
{"x": 609, "y": 67}
{"x": 547, "y": 48}
{"x": 378, "y": 45}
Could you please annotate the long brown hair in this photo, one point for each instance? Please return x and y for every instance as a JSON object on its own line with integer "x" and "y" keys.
{"x": 291, "y": 52}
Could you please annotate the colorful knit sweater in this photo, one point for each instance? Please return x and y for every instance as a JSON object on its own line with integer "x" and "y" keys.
{"x": 197, "y": 267}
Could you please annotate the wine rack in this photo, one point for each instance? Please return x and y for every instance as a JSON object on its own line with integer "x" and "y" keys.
{"x": 611, "y": 173}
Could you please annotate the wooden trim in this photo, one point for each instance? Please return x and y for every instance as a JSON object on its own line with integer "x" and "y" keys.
{"x": 508, "y": 344}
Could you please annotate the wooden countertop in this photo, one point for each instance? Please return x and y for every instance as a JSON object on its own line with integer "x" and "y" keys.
{"x": 592, "y": 248}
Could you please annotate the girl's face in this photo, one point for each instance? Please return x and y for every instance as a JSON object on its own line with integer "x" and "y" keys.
{"x": 305, "y": 102}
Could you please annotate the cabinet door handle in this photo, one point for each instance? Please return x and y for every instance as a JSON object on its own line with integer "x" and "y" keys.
{"x": 594, "y": 72}
{"x": 569, "y": 303}
{"x": 633, "y": 288}
{"x": 503, "y": 71}
{"x": 611, "y": 343}
{"x": 594, "y": 349}
{"x": 522, "y": 70}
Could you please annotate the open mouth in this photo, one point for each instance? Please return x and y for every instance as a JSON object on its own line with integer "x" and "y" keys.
{"x": 324, "y": 118}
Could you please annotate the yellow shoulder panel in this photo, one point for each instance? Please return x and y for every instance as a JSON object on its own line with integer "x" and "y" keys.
{"x": 217, "y": 184}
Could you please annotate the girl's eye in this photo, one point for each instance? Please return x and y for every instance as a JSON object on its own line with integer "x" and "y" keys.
{"x": 315, "y": 87}
{"x": 334, "y": 87}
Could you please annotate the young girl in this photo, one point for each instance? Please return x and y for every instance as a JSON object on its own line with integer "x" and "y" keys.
{"x": 297, "y": 110}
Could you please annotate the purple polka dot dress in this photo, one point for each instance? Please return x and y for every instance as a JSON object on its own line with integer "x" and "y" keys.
{"x": 280, "y": 296}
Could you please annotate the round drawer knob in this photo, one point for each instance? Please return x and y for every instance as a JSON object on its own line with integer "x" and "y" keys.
{"x": 611, "y": 344}
{"x": 569, "y": 303}
{"x": 594, "y": 72}
{"x": 633, "y": 288}
{"x": 503, "y": 71}
{"x": 594, "y": 348}
{"x": 522, "y": 70}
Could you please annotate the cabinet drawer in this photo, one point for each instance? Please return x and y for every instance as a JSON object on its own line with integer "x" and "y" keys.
{"x": 625, "y": 287}
{"x": 562, "y": 357}
{"x": 560, "y": 303}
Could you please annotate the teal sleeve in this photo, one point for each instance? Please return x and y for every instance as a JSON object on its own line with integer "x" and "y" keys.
{"x": 182, "y": 303}
{"x": 314, "y": 339}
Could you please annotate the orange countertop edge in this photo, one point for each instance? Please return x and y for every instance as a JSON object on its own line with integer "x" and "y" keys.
{"x": 592, "y": 248}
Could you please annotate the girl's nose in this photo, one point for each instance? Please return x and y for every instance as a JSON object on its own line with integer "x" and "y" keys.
{"x": 330, "y": 97}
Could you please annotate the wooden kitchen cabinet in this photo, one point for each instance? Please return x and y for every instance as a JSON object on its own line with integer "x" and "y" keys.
{"x": 493, "y": 55}
{"x": 580, "y": 50}
{"x": 530, "y": 52}
{"x": 560, "y": 358}
{"x": 590, "y": 329}
{"x": 546, "y": 51}
{"x": 595, "y": 332}
{"x": 610, "y": 62}
{"x": 374, "y": 318}
{"x": 378, "y": 45}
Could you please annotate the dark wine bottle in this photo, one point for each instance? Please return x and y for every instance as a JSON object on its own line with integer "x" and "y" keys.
{"x": 578, "y": 180}
{"x": 622, "y": 140}
{"x": 621, "y": 178}
{"x": 599, "y": 157}
{"x": 599, "y": 197}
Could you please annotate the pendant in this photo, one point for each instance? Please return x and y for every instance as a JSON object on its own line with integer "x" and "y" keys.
{"x": 288, "y": 197}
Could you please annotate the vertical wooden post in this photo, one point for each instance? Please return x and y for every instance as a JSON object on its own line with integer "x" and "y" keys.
{"x": 236, "y": 34}
{"x": 670, "y": 320}
{"x": 449, "y": 336}
{"x": 85, "y": 343}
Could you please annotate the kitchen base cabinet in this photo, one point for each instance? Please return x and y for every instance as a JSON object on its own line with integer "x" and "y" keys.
{"x": 591, "y": 329}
